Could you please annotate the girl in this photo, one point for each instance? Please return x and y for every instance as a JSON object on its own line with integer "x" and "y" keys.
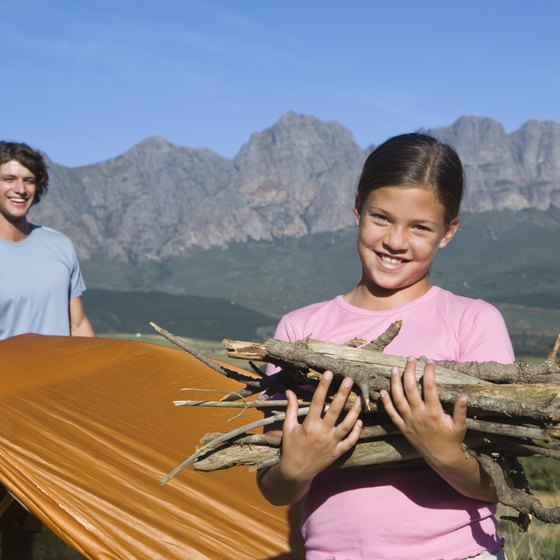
{"x": 407, "y": 208}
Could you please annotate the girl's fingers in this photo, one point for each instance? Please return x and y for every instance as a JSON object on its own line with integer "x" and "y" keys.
{"x": 319, "y": 396}
{"x": 410, "y": 384}
{"x": 431, "y": 397}
{"x": 349, "y": 421}
{"x": 390, "y": 408}
{"x": 352, "y": 438}
{"x": 338, "y": 401}
{"x": 330, "y": 419}
{"x": 398, "y": 397}
{"x": 291, "y": 418}
{"x": 460, "y": 413}
{"x": 396, "y": 401}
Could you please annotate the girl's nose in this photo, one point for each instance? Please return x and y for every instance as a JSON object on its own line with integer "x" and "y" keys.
{"x": 395, "y": 239}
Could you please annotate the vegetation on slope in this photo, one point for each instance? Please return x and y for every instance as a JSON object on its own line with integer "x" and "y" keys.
{"x": 508, "y": 258}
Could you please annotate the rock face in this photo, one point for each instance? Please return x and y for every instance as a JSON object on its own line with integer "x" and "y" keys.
{"x": 158, "y": 200}
{"x": 513, "y": 171}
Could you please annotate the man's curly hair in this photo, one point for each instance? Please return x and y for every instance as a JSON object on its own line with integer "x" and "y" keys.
{"x": 29, "y": 158}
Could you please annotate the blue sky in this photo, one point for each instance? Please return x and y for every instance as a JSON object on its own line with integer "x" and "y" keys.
{"x": 85, "y": 80}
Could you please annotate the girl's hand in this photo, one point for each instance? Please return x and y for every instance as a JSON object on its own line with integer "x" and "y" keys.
{"x": 435, "y": 434}
{"x": 310, "y": 447}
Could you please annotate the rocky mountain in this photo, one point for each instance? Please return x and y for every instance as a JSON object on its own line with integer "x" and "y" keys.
{"x": 298, "y": 177}
{"x": 507, "y": 171}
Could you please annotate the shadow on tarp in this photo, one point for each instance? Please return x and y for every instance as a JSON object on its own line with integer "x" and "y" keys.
{"x": 88, "y": 431}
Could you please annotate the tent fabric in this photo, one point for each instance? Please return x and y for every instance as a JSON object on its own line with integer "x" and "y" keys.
{"x": 89, "y": 429}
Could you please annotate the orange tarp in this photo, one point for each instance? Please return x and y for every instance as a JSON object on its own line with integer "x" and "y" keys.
{"x": 88, "y": 430}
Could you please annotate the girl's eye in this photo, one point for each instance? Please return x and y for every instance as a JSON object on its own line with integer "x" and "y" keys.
{"x": 422, "y": 228}
{"x": 379, "y": 217}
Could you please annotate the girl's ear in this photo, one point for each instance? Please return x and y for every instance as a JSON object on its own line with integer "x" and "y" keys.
{"x": 450, "y": 232}
{"x": 357, "y": 210}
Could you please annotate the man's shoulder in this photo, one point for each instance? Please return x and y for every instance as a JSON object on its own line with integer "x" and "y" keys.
{"x": 44, "y": 236}
{"x": 48, "y": 233}
{"x": 37, "y": 229}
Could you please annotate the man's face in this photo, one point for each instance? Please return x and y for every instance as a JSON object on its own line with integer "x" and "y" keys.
{"x": 17, "y": 191}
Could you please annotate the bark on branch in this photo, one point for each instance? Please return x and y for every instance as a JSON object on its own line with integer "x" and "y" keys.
{"x": 513, "y": 410}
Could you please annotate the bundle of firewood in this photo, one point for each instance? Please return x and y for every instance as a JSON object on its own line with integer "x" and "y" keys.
{"x": 513, "y": 410}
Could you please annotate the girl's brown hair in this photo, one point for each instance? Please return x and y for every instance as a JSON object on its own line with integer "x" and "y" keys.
{"x": 415, "y": 159}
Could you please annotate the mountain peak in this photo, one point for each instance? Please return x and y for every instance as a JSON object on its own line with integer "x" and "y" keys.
{"x": 294, "y": 178}
{"x": 156, "y": 142}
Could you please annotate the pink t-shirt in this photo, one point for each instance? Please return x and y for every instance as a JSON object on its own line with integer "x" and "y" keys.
{"x": 400, "y": 513}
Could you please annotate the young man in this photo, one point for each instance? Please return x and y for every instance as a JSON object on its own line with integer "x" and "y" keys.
{"x": 40, "y": 274}
{"x": 40, "y": 292}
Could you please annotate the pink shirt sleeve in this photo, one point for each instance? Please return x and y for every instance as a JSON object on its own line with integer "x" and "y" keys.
{"x": 282, "y": 332}
{"x": 483, "y": 335}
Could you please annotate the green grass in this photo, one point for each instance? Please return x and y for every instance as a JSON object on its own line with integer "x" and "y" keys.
{"x": 541, "y": 541}
{"x": 183, "y": 315}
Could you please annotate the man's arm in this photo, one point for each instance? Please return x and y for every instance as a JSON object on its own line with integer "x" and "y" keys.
{"x": 79, "y": 322}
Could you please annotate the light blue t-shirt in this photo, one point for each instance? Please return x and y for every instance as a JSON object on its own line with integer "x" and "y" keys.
{"x": 38, "y": 277}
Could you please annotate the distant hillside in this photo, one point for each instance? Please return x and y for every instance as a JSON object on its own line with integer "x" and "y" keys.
{"x": 509, "y": 258}
{"x": 187, "y": 316}
{"x": 504, "y": 256}
{"x": 158, "y": 201}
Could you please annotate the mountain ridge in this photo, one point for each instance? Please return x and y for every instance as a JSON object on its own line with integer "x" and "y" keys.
{"x": 298, "y": 177}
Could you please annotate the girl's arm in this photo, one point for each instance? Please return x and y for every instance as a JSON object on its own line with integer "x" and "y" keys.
{"x": 436, "y": 435}
{"x": 310, "y": 447}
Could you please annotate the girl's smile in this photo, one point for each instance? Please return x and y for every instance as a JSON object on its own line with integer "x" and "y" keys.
{"x": 401, "y": 228}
